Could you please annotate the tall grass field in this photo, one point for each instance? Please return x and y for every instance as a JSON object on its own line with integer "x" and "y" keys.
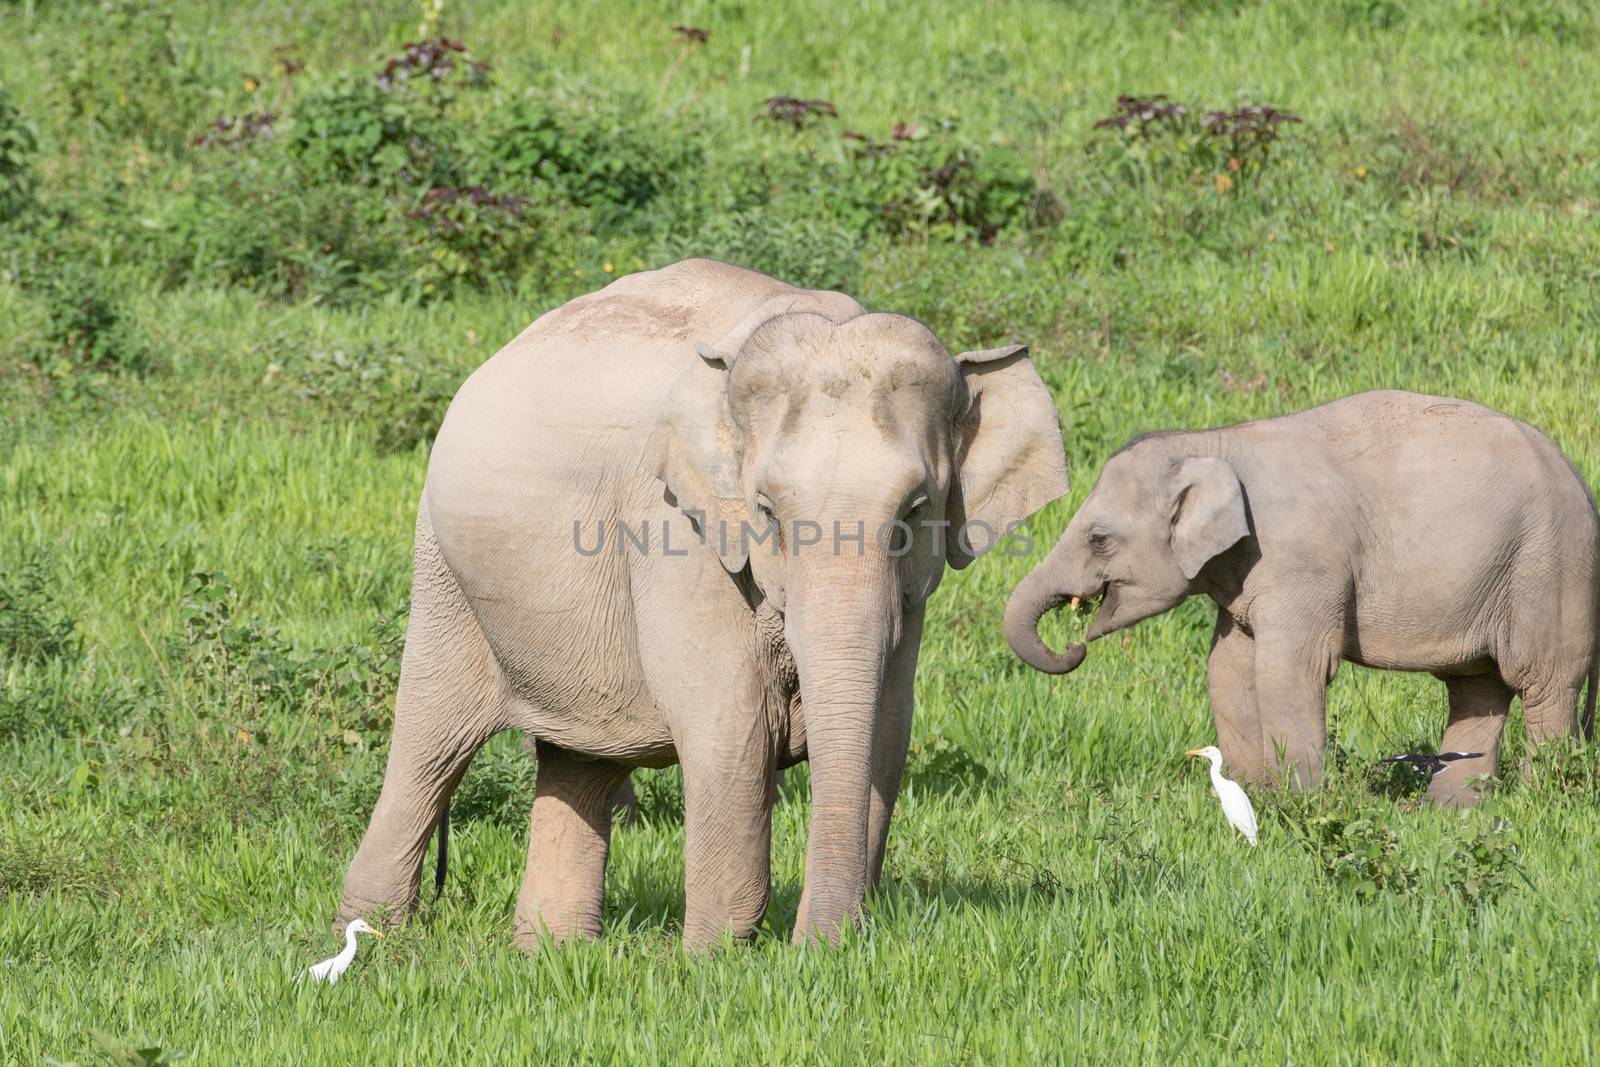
{"x": 247, "y": 253}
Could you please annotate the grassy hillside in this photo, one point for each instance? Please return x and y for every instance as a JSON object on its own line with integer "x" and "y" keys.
{"x": 225, "y": 340}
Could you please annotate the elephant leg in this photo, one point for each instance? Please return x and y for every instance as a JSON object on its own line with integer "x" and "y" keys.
{"x": 1230, "y": 679}
{"x": 450, "y": 701}
{"x": 1293, "y": 666}
{"x": 1478, "y": 707}
{"x": 563, "y": 886}
{"x": 1549, "y": 712}
{"x": 624, "y": 802}
{"x": 728, "y": 776}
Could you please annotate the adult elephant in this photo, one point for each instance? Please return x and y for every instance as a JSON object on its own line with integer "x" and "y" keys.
{"x": 643, "y": 548}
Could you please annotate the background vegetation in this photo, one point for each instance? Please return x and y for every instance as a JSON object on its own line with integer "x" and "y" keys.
{"x": 248, "y": 251}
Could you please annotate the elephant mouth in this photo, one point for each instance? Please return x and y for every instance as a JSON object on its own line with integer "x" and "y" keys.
{"x": 1099, "y": 608}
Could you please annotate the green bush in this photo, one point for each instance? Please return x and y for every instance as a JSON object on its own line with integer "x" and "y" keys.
{"x": 1157, "y": 139}
{"x": 127, "y": 73}
{"x": 17, "y": 146}
{"x": 1359, "y": 855}
{"x": 400, "y": 398}
{"x": 818, "y": 253}
{"x": 43, "y": 683}
{"x": 352, "y": 131}
{"x": 1481, "y": 870}
{"x": 596, "y": 156}
{"x": 86, "y": 328}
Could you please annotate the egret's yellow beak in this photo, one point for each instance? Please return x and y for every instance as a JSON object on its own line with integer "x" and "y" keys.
{"x": 376, "y": 933}
{"x": 1194, "y": 752}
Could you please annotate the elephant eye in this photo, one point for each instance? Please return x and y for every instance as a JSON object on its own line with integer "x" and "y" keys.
{"x": 1099, "y": 540}
{"x": 764, "y": 506}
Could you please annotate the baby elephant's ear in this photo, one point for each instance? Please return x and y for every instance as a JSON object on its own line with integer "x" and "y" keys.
{"x": 1208, "y": 511}
{"x": 1010, "y": 458}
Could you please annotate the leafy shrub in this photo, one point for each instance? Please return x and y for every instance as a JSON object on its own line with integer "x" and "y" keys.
{"x": 477, "y": 238}
{"x": 17, "y": 146}
{"x": 248, "y": 669}
{"x": 933, "y": 184}
{"x": 593, "y": 155}
{"x": 85, "y": 327}
{"x": 499, "y": 787}
{"x": 1481, "y": 870}
{"x": 1358, "y": 854}
{"x": 1154, "y": 138}
{"x": 261, "y": 223}
{"x": 400, "y": 397}
{"x": 353, "y": 131}
{"x": 817, "y": 253}
{"x": 128, "y": 73}
{"x": 33, "y": 628}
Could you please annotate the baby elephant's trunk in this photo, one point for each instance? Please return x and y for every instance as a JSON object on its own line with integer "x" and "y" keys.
{"x": 1028, "y": 604}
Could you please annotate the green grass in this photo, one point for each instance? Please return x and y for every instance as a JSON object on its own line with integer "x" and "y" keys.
{"x": 178, "y": 804}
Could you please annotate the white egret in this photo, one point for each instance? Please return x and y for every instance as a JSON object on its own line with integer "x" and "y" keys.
{"x": 331, "y": 968}
{"x": 1235, "y": 805}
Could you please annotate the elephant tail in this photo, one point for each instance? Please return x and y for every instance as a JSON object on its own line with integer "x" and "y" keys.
{"x": 1588, "y": 700}
{"x": 442, "y": 863}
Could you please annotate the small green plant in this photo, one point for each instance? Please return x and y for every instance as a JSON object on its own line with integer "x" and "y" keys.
{"x": 926, "y": 180}
{"x": 353, "y": 131}
{"x": 938, "y": 764}
{"x": 817, "y": 253}
{"x": 400, "y": 397}
{"x": 1358, "y": 854}
{"x": 594, "y": 155}
{"x": 33, "y": 627}
{"x": 1481, "y": 870}
{"x": 1154, "y": 138}
{"x": 128, "y": 73}
{"x": 85, "y": 326}
{"x": 17, "y": 148}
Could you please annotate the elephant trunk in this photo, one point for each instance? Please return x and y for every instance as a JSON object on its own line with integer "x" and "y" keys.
{"x": 1037, "y": 594}
{"x": 842, "y": 621}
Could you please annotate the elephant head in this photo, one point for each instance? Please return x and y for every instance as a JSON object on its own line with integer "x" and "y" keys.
{"x": 1151, "y": 523}
{"x": 845, "y": 463}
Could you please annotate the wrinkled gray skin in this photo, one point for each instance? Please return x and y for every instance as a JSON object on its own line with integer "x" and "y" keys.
{"x": 1392, "y": 530}
{"x": 706, "y": 389}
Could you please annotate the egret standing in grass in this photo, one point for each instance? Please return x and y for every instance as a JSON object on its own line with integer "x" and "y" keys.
{"x": 1235, "y": 805}
{"x": 330, "y": 969}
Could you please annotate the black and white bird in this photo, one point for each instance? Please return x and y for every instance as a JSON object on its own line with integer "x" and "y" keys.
{"x": 1432, "y": 762}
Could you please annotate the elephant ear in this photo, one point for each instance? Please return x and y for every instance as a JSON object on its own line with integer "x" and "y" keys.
{"x": 1208, "y": 511}
{"x": 1011, "y": 461}
{"x": 693, "y": 450}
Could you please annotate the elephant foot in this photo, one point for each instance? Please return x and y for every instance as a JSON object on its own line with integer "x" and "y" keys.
{"x": 382, "y": 910}
{"x": 1458, "y": 786}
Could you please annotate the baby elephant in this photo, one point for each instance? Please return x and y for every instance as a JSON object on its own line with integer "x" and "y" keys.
{"x": 1407, "y": 532}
